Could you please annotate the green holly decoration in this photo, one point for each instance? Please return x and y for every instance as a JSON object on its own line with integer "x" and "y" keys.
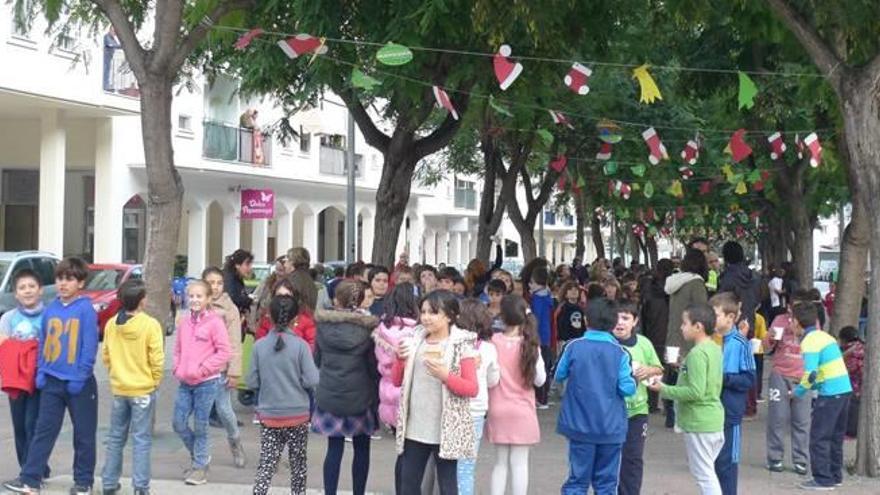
{"x": 649, "y": 189}
{"x": 610, "y": 168}
{"x": 638, "y": 170}
{"x": 394, "y": 54}
{"x": 546, "y": 136}
{"x": 754, "y": 176}
{"x": 363, "y": 81}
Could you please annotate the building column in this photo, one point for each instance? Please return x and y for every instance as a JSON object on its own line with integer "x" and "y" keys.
{"x": 53, "y": 139}
{"x": 108, "y": 203}
{"x": 310, "y": 235}
{"x": 284, "y": 232}
{"x": 260, "y": 239}
{"x": 465, "y": 247}
{"x": 454, "y": 249}
{"x": 472, "y": 248}
{"x": 430, "y": 248}
{"x": 367, "y": 235}
{"x": 231, "y": 231}
{"x": 442, "y": 247}
{"x": 197, "y": 235}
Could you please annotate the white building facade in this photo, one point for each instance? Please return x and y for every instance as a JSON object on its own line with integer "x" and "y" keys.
{"x": 73, "y": 181}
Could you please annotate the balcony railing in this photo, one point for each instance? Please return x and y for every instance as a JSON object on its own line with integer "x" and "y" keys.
{"x": 118, "y": 77}
{"x": 466, "y": 199}
{"x": 235, "y": 144}
{"x": 332, "y": 161}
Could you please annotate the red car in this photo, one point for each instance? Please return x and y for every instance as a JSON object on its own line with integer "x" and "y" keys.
{"x": 101, "y": 287}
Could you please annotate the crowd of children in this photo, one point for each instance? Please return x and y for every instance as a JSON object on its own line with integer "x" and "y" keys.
{"x": 442, "y": 360}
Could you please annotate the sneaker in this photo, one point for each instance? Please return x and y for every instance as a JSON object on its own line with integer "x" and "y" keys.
{"x": 18, "y": 486}
{"x": 141, "y": 491}
{"x": 238, "y": 457}
{"x": 375, "y": 436}
{"x": 543, "y": 407}
{"x": 814, "y": 486}
{"x": 80, "y": 490}
{"x": 760, "y": 400}
{"x": 111, "y": 491}
{"x": 800, "y": 469}
{"x": 775, "y": 466}
{"x": 197, "y": 477}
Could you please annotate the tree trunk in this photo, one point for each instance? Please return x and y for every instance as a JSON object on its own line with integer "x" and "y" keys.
{"x": 596, "y": 232}
{"x": 580, "y": 226}
{"x": 491, "y": 212}
{"x": 392, "y": 197}
{"x": 165, "y": 194}
{"x": 651, "y": 245}
{"x": 635, "y": 250}
{"x": 527, "y": 240}
{"x": 851, "y": 273}
{"x": 802, "y": 247}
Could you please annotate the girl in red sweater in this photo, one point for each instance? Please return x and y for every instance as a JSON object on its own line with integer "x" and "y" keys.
{"x": 303, "y": 325}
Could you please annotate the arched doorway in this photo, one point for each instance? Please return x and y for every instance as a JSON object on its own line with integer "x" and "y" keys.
{"x": 331, "y": 234}
{"x": 134, "y": 229}
{"x": 214, "y": 255}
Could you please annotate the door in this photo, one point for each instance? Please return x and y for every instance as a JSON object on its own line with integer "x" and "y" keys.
{"x": 20, "y": 228}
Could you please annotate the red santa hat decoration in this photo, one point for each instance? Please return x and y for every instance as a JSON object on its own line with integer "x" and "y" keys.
{"x": 506, "y": 71}
{"x": 559, "y": 118}
{"x": 738, "y": 147}
{"x": 656, "y": 149}
{"x": 558, "y": 164}
{"x": 443, "y": 101}
{"x": 302, "y": 44}
{"x": 777, "y": 145}
{"x": 812, "y": 142}
{"x": 578, "y": 79}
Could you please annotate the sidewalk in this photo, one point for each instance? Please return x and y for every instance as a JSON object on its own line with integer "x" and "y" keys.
{"x": 61, "y": 485}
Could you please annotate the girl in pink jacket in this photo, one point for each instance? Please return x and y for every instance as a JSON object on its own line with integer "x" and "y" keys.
{"x": 201, "y": 352}
{"x": 398, "y": 321}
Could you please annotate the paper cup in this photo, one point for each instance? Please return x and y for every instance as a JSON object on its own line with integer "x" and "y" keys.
{"x": 672, "y": 354}
{"x": 756, "y": 345}
{"x": 777, "y": 333}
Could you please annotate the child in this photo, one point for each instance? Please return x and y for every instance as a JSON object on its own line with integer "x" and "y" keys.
{"x": 20, "y": 336}
{"x": 396, "y": 326}
{"x": 697, "y": 397}
{"x": 593, "y": 413}
{"x": 475, "y": 318}
{"x": 854, "y": 357}
{"x": 303, "y": 326}
{"x": 542, "y": 309}
{"x": 201, "y": 353}
{"x": 66, "y": 379}
{"x": 825, "y": 372}
{"x": 222, "y": 304}
{"x": 739, "y": 378}
{"x": 512, "y": 422}
{"x": 569, "y": 316}
{"x": 784, "y": 408}
{"x": 134, "y": 355}
{"x": 646, "y": 366}
{"x": 496, "y": 290}
{"x": 446, "y": 278}
{"x": 283, "y": 371}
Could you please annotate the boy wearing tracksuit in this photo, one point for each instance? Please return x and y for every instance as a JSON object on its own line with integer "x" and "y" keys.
{"x": 65, "y": 377}
{"x": 739, "y": 377}
{"x": 541, "y": 302}
{"x": 593, "y": 415}
{"x": 825, "y": 372}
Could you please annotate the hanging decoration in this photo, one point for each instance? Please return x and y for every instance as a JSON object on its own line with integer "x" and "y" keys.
{"x": 638, "y": 229}
{"x": 245, "y": 40}
{"x": 302, "y": 44}
{"x": 656, "y": 149}
{"x": 650, "y": 91}
{"x": 691, "y": 152}
{"x": 747, "y": 91}
{"x": 560, "y": 119}
{"x": 609, "y": 132}
{"x": 578, "y": 79}
{"x": 727, "y": 170}
{"x": 738, "y": 147}
{"x": 363, "y": 81}
{"x": 685, "y": 172}
{"x": 604, "y": 153}
{"x": 705, "y": 187}
{"x": 638, "y": 170}
{"x": 649, "y": 190}
{"x": 443, "y": 101}
{"x": 777, "y": 145}
{"x": 610, "y": 168}
{"x": 581, "y": 182}
{"x": 675, "y": 189}
{"x": 506, "y": 71}
{"x": 620, "y": 189}
{"x": 679, "y": 213}
{"x": 545, "y": 136}
{"x": 741, "y": 188}
{"x": 800, "y": 146}
{"x": 499, "y": 107}
{"x": 754, "y": 176}
{"x": 559, "y": 163}
{"x": 394, "y": 54}
{"x": 812, "y": 142}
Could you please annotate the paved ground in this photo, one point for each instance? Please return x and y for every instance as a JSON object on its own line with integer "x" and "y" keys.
{"x": 665, "y": 471}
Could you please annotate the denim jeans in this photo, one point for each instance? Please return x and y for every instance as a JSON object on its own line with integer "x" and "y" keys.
{"x": 24, "y": 409}
{"x": 133, "y": 414}
{"x": 223, "y": 405}
{"x": 195, "y": 400}
{"x": 467, "y": 467}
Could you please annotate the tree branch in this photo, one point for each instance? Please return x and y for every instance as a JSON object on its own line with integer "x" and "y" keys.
{"x": 441, "y": 136}
{"x": 818, "y": 48}
{"x": 134, "y": 52}
{"x": 372, "y": 135}
{"x": 168, "y": 19}
{"x": 200, "y": 30}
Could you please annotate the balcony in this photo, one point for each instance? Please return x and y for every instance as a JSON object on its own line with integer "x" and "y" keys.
{"x": 235, "y": 144}
{"x": 332, "y": 161}
{"x": 118, "y": 77}
{"x": 466, "y": 199}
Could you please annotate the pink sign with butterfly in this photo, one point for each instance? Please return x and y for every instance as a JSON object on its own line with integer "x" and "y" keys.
{"x": 257, "y": 203}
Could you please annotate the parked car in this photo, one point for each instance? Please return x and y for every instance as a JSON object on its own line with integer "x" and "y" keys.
{"x": 41, "y": 262}
{"x": 259, "y": 272}
{"x": 102, "y": 286}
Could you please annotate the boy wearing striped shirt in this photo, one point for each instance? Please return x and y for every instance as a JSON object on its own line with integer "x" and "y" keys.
{"x": 825, "y": 373}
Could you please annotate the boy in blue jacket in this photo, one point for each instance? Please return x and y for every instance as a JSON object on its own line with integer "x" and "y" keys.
{"x": 593, "y": 414}
{"x": 67, "y": 351}
{"x": 739, "y": 377}
{"x": 542, "y": 307}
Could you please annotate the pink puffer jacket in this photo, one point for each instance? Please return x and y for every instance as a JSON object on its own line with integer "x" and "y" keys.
{"x": 388, "y": 338}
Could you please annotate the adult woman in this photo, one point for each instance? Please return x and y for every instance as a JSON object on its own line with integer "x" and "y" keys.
{"x": 347, "y": 393}
{"x": 237, "y": 267}
{"x": 437, "y": 374}
{"x": 476, "y": 275}
{"x": 378, "y": 280}
{"x": 684, "y": 288}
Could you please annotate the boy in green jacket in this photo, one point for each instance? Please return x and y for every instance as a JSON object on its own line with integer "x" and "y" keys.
{"x": 698, "y": 397}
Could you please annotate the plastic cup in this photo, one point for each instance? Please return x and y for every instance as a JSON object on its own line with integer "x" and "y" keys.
{"x": 777, "y": 333}
{"x": 672, "y": 354}
{"x": 756, "y": 345}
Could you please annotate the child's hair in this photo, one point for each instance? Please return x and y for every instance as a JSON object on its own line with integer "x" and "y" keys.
{"x": 601, "y": 315}
{"x": 25, "y": 273}
{"x": 350, "y": 293}
{"x": 448, "y": 273}
{"x": 476, "y": 318}
{"x": 401, "y": 302}
{"x": 595, "y": 291}
{"x": 733, "y": 252}
{"x": 849, "y": 334}
{"x": 540, "y": 276}
{"x": 375, "y": 271}
{"x": 629, "y": 308}
{"x": 238, "y": 257}
{"x": 355, "y": 269}
{"x": 566, "y": 287}
{"x": 805, "y": 314}
{"x": 131, "y": 293}
{"x": 694, "y": 261}
{"x": 728, "y": 302}
{"x": 199, "y": 283}
{"x": 703, "y": 314}
{"x": 282, "y": 310}
{"x": 515, "y": 312}
{"x": 443, "y": 301}
{"x": 72, "y": 267}
{"x": 496, "y": 286}
{"x": 211, "y": 270}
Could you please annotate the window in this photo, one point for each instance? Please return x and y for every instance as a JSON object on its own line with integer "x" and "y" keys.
{"x": 333, "y": 141}
{"x": 465, "y": 195}
{"x": 45, "y": 268}
{"x": 21, "y": 31}
{"x": 568, "y": 220}
{"x": 305, "y": 141}
{"x": 65, "y": 42}
{"x": 549, "y": 217}
{"x": 184, "y": 123}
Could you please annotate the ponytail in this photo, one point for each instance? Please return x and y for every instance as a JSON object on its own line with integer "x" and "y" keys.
{"x": 515, "y": 312}
{"x": 282, "y": 310}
